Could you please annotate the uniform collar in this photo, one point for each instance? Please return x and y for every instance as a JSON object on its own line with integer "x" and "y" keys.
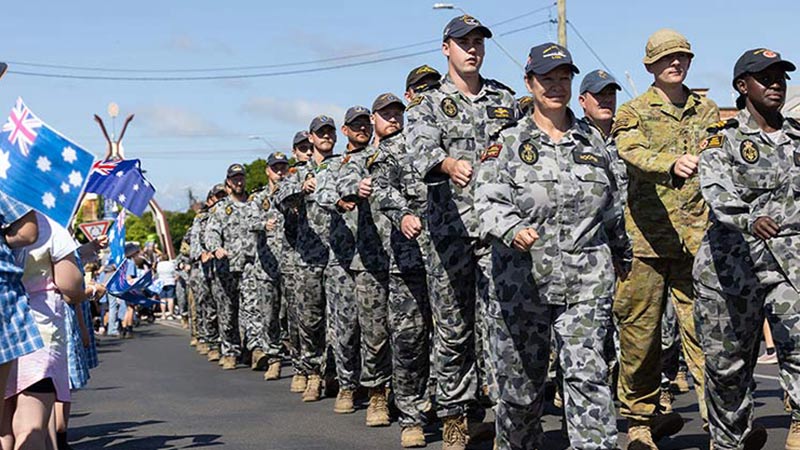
{"x": 449, "y": 87}
{"x": 654, "y": 99}
{"x": 535, "y": 132}
{"x": 749, "y": 126}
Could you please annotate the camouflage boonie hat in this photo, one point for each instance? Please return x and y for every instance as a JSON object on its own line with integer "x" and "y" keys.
{"x": 665, "y": 42}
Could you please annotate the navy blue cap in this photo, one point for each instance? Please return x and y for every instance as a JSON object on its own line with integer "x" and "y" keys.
{"x": 353, "y": 112}
{"x": 384, "y": 100}
{"x": 758, "y": 59}
{"x": 299, "y": 137}
{"x": 321, "y": 121}
{"x": 462, "y": 25}
{"x": 235, "y": 169}
{"x": 597, "y": 80}
{"x": 421, "y": 73}
{"x": 277, "y": 158}
{"x": 546, "y": 57}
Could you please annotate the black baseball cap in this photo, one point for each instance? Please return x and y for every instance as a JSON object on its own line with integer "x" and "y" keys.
{"x": 758, "y": 59}
{"x": 218, "y": 188}
{"x": 384, "y": 100}
{"x": 597, "y": 80}
{"x": 299, "y": 137}
{"x": 546, "y": 57}
{"x": 420, "y": 73}
{"x": 235, "y": 169}
{"x": 462, "y": 25}
{"x": 277, "y": 158}
{"x": 353, "y": 112}
{"x": 321, "y": 121}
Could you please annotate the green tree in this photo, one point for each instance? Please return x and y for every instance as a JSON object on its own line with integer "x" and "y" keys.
{"x": 256, "y": 173}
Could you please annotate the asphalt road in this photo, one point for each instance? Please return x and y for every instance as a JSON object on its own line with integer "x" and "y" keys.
{"x": 156, "y": 392}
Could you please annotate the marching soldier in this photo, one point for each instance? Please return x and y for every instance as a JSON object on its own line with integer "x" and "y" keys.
{"x": 747, "y": 268}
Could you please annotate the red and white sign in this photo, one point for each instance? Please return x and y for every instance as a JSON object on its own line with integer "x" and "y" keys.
{"x": 93, "y": 230}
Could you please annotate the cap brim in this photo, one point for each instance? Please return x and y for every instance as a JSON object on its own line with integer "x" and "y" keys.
{"x": 352, "y": 118}
{"x": 377, "y": 108}
{"x": 671, "y": 51}
{"x": 546, "y": 69}
{"x": 786, "y": 65}
{"x": 485, "y": 31}
{"x": 600, "y": 86}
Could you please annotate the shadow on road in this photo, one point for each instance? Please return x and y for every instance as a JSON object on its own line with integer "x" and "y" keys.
{"x": 120, "y": 436}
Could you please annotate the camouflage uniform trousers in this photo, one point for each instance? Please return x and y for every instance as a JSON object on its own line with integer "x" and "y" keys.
{"x": 410, "y": 326}
{"x": 344, "y": 332}
{"x": 206, "y": 308}
{"x": 372, "y": 295}
{"x": 289, "y": 287}
{"x": 225, "y": 287}
{"x": 729, "y": 327}
{"x": 638, "y": 309}
{"x": 259, "y": 310}
{"x": 311, "y": 318}
{"x": 671, "y": 359}
{"x": 453, "y": 275}
{"x": 519, "y": 337}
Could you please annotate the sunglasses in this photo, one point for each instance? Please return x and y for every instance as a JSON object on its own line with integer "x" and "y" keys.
{"x": 767, "y": 79}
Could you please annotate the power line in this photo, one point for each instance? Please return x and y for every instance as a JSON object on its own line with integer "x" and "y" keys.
{"x": 255, "y": 67}
{"x": 605, "y": 66}
{"x": 247, "y": 76}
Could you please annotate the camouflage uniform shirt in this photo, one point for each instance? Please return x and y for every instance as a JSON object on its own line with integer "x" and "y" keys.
{"x": 227, "y": 228}
{"x": 268, "y": 244}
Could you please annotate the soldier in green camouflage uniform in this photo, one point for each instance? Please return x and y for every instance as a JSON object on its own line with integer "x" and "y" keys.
{"x": 202, "y": 278}
{"x": 226, "y": 235}
{"x": 300, "y": 192}
{"x": 657, "y": 135}
{"x": 747, "y": 268}
{"x": 290, "y": 258}
{"x": 447, "y": 129}
{"x": 400, "y": 196}
{"x": 547, "y": 198}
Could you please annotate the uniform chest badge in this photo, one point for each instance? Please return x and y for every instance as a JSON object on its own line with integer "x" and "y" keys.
{"x": 499, "y": 112}
{"x": 797, "y": 159}
{"x": 714, "y": 141}
{"x": 528, "y": 153}
{"x": 229, "y": 210}
{"x": 749, "y": 151}
{"x": 449, "y": 107}
{"x": 265, "y": 204}
{"x": 590, "y": 159}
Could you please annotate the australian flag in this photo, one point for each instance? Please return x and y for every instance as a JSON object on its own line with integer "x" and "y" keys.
{"x": 41, "y": 168}
{"x": 132, "y": 293}
{"x": 123, "y": 182}
{"x": 116, "y": 240}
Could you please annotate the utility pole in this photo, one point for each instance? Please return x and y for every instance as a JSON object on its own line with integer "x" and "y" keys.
{"x": 562, "y": 23}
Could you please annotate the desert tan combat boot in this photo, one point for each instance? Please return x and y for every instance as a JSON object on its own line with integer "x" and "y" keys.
{"x": 344, "y": 402}
{"x": 454, "y": 433}
{"x": 681, "y": 382}
{"x": 298, "y": 383}
{"x": 313, "y": 388}
{"x": 412, "y": 437}
{"x": 378, "y": 409}
{"x": 202, "y": 348}
{"x": 793, "y": 440}
{"x": 193, "y": 342}
{"x": 258, "y": 360}
{"x": 228, "y": 362}
{"x": 213, "y": 355}
{"x": 273, "y": 372}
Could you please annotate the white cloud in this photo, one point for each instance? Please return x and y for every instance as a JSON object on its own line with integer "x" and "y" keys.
{"x": 293, "y": 111}
{"x": 167, "y": 120}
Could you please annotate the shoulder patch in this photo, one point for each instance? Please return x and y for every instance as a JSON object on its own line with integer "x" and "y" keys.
{"x": 265, "y": 204}
{"x": 500, "y": 112}
{"x": 624, "y": 123}
{"x": 492, "y": 152}
{"x": 528, "y": 153}
{"x": 415, "y": 101}
{"x": 502, "y": 86}
{"x": 714, "y": 141}
{"x": 292, "y": 169}
{"x": 371, "y": 160}
{"x": 722, "y": 124}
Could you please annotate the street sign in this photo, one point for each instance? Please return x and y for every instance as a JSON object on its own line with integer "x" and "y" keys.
{"x": 93, "y": 230}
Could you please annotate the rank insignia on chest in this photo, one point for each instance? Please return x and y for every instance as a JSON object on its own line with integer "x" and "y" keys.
{"x": 589, "y": 158}
{"x": 229, "y": 210}
{"x": 714, "y": 141}
{"x": 749, "y": 151}
{"x": 492, "y": 152}
{"x": 499, "y": 112}
{"x": 528, "y": 153}
{"x": 265, "y": 204}
{"x": 449, "y": 107}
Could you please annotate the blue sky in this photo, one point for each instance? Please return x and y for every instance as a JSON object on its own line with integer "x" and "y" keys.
{"x": 186, "y": 133}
